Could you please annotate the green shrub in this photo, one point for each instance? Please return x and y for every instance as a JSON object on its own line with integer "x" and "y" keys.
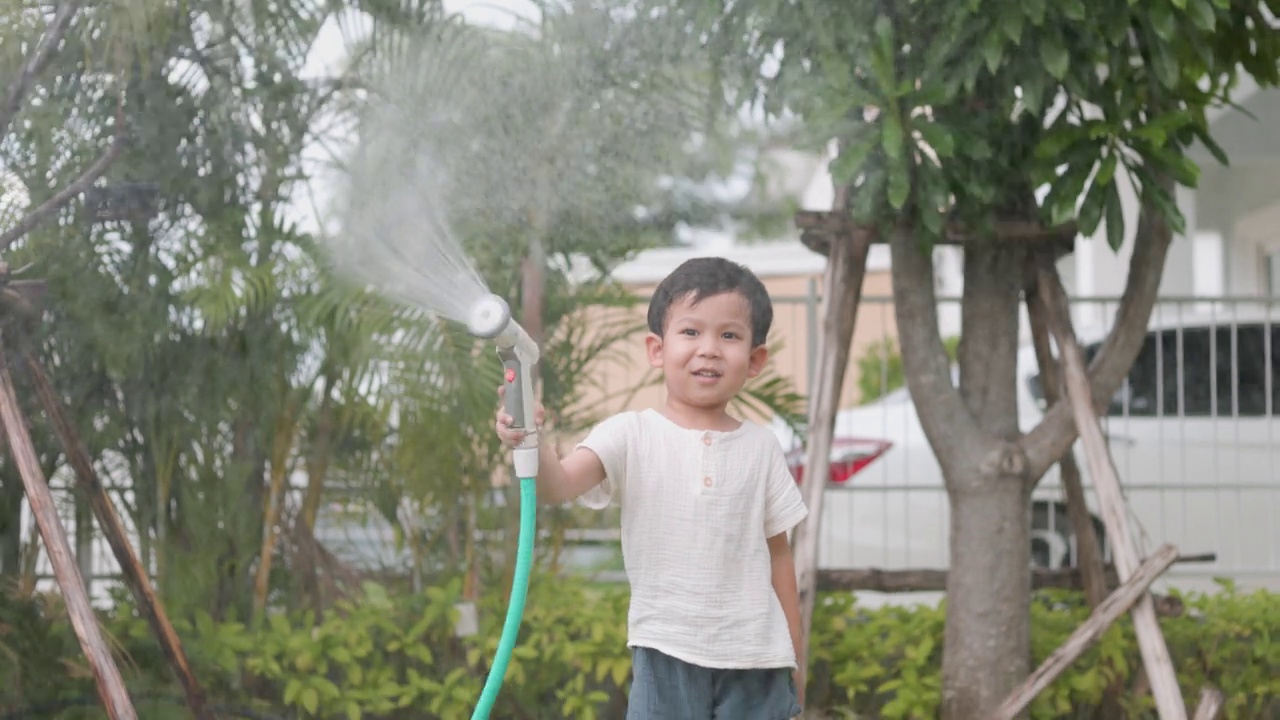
{"x": 389, "y": 657}
{"x": 396, "y": 656}
{"x": 39, "y": 659}
{"x": 886, "y": 663}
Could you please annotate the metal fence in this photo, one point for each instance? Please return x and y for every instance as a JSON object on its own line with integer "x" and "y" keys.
{"x": 1192, "y": 431}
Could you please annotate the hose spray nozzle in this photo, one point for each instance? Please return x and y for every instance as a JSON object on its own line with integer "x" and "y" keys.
{"x": 491, "y": 319}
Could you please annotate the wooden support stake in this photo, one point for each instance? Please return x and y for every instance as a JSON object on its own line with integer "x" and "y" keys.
{"x": 85, "y": 624}
{"x": 1155, "y": 653}
{"x": 842, "y": 289}
{"x": 1088, "y": 549}
{"x": 1110, "y": 610}
{"x": 1211, "y": 700}
{"x": 135, "y": 577}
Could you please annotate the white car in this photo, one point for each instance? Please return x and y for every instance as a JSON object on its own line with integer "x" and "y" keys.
{"x": 1192, "y": 431}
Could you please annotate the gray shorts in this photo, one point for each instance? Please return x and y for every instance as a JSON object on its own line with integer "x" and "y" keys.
{"x": 664, "y": 688}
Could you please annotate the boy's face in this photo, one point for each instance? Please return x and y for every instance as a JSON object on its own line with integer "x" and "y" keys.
{"x": 705, "y": 351}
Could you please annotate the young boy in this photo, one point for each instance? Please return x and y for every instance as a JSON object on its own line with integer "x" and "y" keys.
{"x": 707, "y": 501}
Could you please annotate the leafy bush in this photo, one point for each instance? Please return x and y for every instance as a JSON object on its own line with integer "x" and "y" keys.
{"x": 39, "y": 659}
{"x": 390, "y": 656}
{"x": 886, "y": 663}
{"x": 396, "y": 656}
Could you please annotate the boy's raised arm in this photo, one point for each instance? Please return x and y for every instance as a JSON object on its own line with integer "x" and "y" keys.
{"x": 560, "y": 480}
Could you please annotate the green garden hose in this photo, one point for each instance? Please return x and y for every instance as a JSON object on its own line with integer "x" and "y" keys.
{"x": 491, "y": 318}
{"x": 519, "y": 592}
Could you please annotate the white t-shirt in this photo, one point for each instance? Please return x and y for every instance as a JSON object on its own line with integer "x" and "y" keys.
{"x": 697, "y": 509}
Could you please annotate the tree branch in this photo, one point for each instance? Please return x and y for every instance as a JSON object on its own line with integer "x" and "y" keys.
{"x": 818, "y": 227}
{"x": 39, "y": 60}
{"x": 63, "y": 196}
{"x": 1050, "y": 439}
{"x": 946, "y": 422}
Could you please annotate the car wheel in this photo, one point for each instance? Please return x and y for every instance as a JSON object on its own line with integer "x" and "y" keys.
{"x": 1053, "y": 541}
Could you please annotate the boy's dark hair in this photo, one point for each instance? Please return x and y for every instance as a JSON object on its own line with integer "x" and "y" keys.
{"x": 706, "y": 277}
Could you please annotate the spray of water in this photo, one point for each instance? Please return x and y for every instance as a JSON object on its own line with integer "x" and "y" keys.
{"x": 397, "y": 235}
{"x": 402, "y": 185}
{"x": 513, "y": 137}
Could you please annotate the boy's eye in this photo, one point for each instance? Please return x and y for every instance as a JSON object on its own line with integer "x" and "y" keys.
{"x": 689, "y": 331}
{"x": 731, "y": 336}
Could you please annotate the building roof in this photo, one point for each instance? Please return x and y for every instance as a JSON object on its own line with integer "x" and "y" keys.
{"x": 798, "y": 175}
{"x": 781, "y": 258}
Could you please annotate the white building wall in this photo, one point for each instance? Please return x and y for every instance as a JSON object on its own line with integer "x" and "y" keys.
{"x": 1180, "y": 266}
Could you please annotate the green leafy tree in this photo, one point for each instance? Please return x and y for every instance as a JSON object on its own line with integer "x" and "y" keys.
{"x": 949, "y": 117}
{"x": 65, "y": 120}
{"x": 182, "y": 323}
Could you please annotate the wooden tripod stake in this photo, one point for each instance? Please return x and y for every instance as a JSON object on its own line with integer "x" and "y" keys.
{"x": 85, "y": 624}
{"x": 841, "y": 295}
{"x": 111, "y": 688}
{"x": 1135, "y": 578}
{"x": 1155, "y": 654}
{"x": 135, "y": 576}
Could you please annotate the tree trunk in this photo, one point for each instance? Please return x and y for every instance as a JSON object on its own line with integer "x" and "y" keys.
{"x": 317, "y": 461}
{"x": 84, "y": 532}
{"x": 973, "y": 430}
{"x": 988, "y": 637}
{"x": 234, "y": 588}
{"x": 988, "y": 631}
{"x": 974, "y": 433}
{"x": 285, "y": 434}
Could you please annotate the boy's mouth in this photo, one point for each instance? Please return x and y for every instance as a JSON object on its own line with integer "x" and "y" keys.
{"x": 706, "y": 375}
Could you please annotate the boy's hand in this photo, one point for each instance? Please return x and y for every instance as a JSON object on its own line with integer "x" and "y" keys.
{"x": 510, "y": 437}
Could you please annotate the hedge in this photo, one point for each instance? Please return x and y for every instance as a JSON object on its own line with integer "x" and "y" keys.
{"x": 393, "y": 657}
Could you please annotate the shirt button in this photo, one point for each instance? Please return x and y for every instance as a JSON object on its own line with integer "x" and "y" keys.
{"x": 706, "y": 439}
{"x": 706, "y": 481}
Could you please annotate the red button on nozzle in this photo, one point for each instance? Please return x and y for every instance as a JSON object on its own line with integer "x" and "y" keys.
{"x": 511, "y": 375}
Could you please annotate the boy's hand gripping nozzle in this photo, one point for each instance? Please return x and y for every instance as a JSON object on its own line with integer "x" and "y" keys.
{"x": 491, "y": 319}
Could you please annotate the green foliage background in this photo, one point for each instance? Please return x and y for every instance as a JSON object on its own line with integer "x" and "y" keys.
{"x": 210, "y": 357}
{"x": 393, "y": 655}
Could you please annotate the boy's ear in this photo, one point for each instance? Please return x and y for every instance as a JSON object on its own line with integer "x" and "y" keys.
{"x": 653, "y": 350}
{"x": 756, "y": 360}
